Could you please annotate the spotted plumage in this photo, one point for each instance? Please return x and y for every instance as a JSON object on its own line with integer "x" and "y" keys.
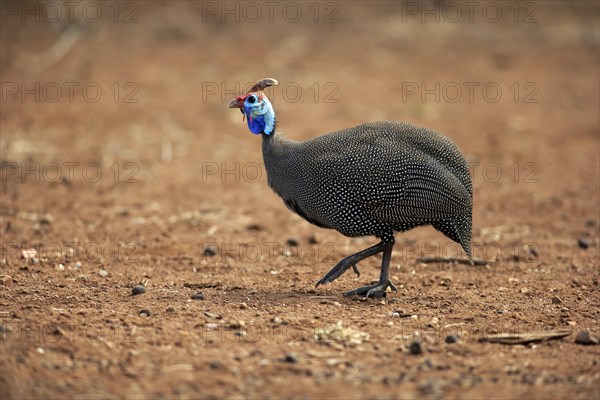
{"x": 373, "y": 179}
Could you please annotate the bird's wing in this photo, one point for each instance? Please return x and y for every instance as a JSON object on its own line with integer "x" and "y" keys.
{"x": 423, "y": 191}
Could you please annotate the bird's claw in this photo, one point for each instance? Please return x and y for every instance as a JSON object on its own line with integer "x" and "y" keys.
{"x": 375, "y": 291}
{"x": 336, "y": 272}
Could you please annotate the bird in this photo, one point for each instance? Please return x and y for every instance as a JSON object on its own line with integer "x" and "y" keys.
{"x": 374, "y": 179}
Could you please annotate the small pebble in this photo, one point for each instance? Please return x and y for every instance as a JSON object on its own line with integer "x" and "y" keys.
{"x": 446, "y": 281}
{"x": 587, "y": 338}
{"x": 28, "y": 254}
{"x": 170, "y": 309}
{"x": 452, "y": 339}
{"x": 583, "y": 243}
{"x": 213, "y": 315}
{"x": 77, "y": 265}
{"x": 58, "y": 331}
{"x": 415, "y": 347}
{"x": 243, "y": 306}
{"x": 210, "y": 250}
{"x": 144, "y": 313}
{"x": 401, "y": 314}
{"x": 60, "y": 267}
{"x": 198, "y": 296}
{"x": 138, "y": 289}
{"x": 102, "y": 273}
{"x": 215, "y": 364}
{"x": 276, "y": 320}
{"x": 237, "y": 324}
{"x": 6, "y": 280}
{"x": 533, "y": 251}
{"x": 290, "y": 358}
{"x": 292, "y": 242}
{"x": 556, "y": 300}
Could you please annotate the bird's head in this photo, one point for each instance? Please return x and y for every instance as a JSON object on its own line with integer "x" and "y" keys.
{"x": 256, "y": 108}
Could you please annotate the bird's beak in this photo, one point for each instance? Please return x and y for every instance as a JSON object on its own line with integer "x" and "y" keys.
{"x": 235, "y": 103}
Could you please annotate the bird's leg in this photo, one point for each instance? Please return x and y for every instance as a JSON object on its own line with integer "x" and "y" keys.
{"x": 350, "y": 262}
{"x": 378, "y": 289}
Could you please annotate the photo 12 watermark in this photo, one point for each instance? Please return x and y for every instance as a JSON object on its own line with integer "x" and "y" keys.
{"x": 494, "y": 172}
{"x": 470, "y": 92}
{"x": 38, "y": 333}
{"x": 491, "y": 12}
{"x": 75, "y": 255}
{"x": 71, "y": 92}
{"x": 69, "y": 172}
{"x": 269, "y": 252}
{"x": 404, "y": 330}
{"x": 254, "y": 172}
{"x": 235, "y": 172}
{"x": 254, "y": 12}
{"x": 50, "y": 11}
{"x": 405, "y": 253}
{"x": 290, "y": 92}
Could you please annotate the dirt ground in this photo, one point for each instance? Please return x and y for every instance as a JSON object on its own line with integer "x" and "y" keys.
{"x": 122, "y": 166}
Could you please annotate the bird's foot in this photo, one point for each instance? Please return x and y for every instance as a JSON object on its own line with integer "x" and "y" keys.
{"x": 375, "y": 291}
{"x": 336, "y": 272}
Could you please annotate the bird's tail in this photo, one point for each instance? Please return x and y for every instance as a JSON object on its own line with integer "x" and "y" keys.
{"x": 458, "y": 230}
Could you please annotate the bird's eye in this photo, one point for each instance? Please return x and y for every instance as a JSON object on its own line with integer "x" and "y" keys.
{"x": 252, "y": 99}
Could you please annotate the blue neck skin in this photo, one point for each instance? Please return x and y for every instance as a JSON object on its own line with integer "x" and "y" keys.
{"x": 260, "y": 117}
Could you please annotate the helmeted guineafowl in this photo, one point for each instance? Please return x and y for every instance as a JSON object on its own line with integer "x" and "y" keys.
{"x": 374, "y": 179}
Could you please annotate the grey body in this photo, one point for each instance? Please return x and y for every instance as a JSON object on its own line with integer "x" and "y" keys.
{"x": 374, "y": 179}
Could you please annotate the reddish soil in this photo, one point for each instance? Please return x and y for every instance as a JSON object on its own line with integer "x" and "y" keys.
{"x": 145, "y": 186}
